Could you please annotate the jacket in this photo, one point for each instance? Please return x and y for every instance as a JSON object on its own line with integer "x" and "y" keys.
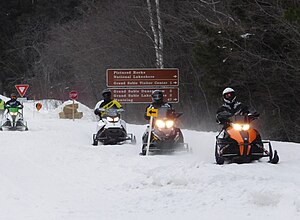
{"x": 13, "y": 103}
{"x": 236, "y": 108}
{"x": 106, "y": 104}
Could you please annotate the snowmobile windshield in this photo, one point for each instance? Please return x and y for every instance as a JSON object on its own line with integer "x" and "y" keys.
{"x": 239, "y": 119}
{"x": 112, "y": 112}
{"x": 164, "y": 112}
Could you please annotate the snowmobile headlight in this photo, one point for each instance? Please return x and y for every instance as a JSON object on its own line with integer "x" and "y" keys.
{"x": 246, "y": 127}
{"x": 13, "y": 113}
{"x": 169, "y": 124}
{"x": 239, "y": 127}
{"x": 110, "y": 119}
{"x": 160, "y": 123}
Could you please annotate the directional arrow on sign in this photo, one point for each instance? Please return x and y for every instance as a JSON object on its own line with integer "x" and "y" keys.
{"x": 152, "y": 112}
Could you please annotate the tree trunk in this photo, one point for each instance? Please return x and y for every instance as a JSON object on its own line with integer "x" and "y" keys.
{"x": 157, "y": 33}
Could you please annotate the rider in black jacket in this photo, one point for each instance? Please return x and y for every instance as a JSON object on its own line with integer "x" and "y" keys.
{"x": 158, "y": 102}
{"x": 230, "y": 107}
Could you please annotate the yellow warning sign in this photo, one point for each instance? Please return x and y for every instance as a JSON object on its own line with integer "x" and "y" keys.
{"x": 152, "y": 112}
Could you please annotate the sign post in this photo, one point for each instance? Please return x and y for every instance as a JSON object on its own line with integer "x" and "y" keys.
{"x": 151, "y": 112}
{"x": 22, "y": 88}
{"x": 73, "y": 95}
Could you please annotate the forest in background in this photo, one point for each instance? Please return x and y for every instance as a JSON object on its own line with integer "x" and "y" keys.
{"x": 252, "y": 46}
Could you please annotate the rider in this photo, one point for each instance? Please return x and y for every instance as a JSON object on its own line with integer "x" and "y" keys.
{"x": 231, "y": 106}
{"x": 106, "y": 103}
{"x": 13, "y": 102}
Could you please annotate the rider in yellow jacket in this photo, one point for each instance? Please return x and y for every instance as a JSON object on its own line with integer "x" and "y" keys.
{"x": 106, "y": 103}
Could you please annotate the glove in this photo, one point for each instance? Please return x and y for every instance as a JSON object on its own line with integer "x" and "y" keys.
{"x": 97, "y": 111}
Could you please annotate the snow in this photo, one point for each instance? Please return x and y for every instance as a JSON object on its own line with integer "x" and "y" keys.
{"x": 53, "y": 172}
{"x": 246, "y": 35}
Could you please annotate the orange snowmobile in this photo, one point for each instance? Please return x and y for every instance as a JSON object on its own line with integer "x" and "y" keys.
{"x": 239, "y": 142}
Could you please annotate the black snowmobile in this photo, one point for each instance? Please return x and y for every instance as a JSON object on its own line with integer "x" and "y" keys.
{"x": 165, "y": 136}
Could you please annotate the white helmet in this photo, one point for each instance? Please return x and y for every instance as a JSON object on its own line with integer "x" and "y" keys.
{"x": 229, "y": 95}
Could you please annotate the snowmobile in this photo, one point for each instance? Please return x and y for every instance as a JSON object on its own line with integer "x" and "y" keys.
{"x": 111, "y": 129}
{"x": 165, "y": 136}
{"x": 239, "y": 142}
{"x": 13, "y": 120}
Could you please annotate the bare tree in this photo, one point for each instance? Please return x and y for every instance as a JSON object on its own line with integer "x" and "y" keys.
{"x": 157, "y": 32}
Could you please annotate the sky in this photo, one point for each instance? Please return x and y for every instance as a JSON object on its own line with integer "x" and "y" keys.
{"x": 52, "y": 172}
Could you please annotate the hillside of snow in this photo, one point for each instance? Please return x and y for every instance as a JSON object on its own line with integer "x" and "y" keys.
{"x": 53, "y": 172}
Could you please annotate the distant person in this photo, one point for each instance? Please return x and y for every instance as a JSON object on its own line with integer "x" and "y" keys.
{"x": 106, "y": 103}
{"x": 2, "y": 108}
{"x": 13, "y": 102}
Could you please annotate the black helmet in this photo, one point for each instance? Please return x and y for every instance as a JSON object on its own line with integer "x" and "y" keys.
{"x": 229, "y": 95}
{"x": 157, "y": 96}
{"x": 106, "y": 93}
{"x": 13, "y": 96}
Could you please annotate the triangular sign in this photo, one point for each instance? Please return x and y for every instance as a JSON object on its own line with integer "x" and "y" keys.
{"x": 22, "y": 88}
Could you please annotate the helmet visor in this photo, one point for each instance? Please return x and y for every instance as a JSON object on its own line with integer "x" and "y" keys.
{"x": 106, "y": 95}
{"x": 229, "y": 96}
{"x": 157, "y": 97}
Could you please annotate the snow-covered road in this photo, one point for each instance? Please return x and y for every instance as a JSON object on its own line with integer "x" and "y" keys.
{"x": 53, "y": 172}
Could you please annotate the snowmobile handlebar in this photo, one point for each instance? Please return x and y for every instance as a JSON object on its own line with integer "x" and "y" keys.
{"x": 253, "y": 115}
{"x": 227, "y": 117}
{"x": 246, "y": 118}
{"x": 176, "y": 114}
{"x": 11, "y": 107}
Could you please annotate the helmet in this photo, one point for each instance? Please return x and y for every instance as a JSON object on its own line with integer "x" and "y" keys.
{"x": 157, "y": 96}
{"x": 13, "y": 96}
{"x": 229, "y": 95}
{"x": 106, "y": 93}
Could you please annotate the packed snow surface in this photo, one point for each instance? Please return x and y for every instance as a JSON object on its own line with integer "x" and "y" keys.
{"x": 53, "y": 172}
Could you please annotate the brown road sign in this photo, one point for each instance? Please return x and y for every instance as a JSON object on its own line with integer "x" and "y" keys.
{"x": 143, "y": 95}
{"x": 142, "y": 77}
